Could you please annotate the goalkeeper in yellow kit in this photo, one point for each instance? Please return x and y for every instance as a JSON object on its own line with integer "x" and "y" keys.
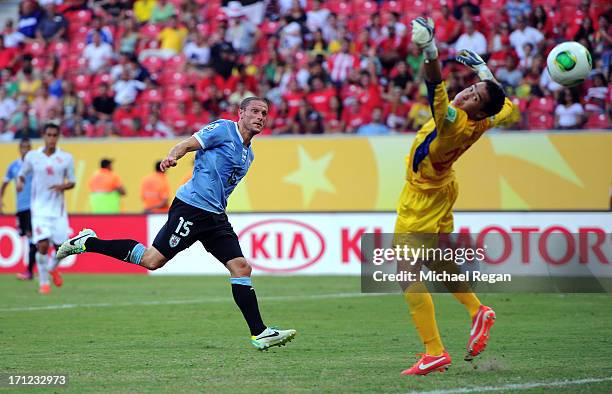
{"x": 425, "y": 205}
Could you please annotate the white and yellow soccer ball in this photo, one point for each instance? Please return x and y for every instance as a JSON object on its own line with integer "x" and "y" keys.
{"x": 569, "y": 63}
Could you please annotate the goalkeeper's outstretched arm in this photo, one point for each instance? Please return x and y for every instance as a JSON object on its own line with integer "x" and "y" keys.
{"x": 423, "y": 38}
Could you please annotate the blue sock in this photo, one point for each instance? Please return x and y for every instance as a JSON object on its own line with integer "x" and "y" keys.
{"x": 136, "y": 254}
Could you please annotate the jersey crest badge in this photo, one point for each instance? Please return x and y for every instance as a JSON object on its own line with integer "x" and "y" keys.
{"x": 210, "y": 127}
{"x": 174, "y": 241}
{"x": 451, "y": 114}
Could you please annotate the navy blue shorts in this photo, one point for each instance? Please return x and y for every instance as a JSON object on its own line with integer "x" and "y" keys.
{"x": 24, "y": 222}
{"x": 187, "y": 224}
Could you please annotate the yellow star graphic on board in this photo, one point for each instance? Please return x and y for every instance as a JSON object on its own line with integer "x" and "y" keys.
{"x": 310, "y": 175}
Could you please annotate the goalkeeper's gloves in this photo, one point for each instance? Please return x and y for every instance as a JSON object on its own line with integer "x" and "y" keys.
{"x": 423, "y": 37}
{"x": 472, "y": 60}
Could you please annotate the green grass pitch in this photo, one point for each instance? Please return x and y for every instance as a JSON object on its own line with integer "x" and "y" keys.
{"x": 126, "y": 334}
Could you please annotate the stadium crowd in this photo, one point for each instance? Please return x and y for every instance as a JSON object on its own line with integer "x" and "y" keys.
{"x": 163, "y": 68}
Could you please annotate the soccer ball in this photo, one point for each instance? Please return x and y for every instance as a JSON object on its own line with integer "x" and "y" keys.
{"x": 569, "y": 63}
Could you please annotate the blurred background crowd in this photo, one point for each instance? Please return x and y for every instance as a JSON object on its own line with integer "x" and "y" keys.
{"x": 164, "y": 68}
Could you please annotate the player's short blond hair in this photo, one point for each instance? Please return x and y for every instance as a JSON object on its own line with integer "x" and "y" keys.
{"x": 245, "y": 103}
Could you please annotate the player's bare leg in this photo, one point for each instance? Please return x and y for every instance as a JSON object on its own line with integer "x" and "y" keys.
{"x": 262, "y": 337}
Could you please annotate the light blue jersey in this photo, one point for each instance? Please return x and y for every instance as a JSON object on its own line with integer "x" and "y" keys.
{"x": 23, "y": 197}
{"x": 221, "y": 163}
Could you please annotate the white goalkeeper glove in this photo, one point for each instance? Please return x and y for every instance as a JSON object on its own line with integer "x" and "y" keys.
{"x": 474, "y": 61}
{"x": 423, "y": 37}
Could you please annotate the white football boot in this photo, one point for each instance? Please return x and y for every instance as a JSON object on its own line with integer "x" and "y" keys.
{"x": 272, "y": 336}
{"x": 74, "y": 245}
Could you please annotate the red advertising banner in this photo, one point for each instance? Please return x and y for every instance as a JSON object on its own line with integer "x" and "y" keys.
{"x": 14, "y": 249}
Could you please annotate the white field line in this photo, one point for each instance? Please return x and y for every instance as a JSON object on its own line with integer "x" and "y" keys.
{"x": 516, "y": 386}
{"x": 210, "y": 300}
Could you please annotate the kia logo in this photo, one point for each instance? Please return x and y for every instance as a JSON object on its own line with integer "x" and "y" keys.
{"x": 281, "y": 245}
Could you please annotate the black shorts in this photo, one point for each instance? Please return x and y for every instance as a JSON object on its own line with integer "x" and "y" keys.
{"x": 24, "y": 222}
{"x": 187, "y": 224}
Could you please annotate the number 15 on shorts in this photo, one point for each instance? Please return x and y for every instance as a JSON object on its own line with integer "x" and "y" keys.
{"x": 183, "y": 227}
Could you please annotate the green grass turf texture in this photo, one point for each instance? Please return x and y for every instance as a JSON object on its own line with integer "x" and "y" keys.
{"x": 344, "y": 345}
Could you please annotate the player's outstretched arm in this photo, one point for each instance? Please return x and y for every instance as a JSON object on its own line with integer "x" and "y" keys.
{"x": 191, "y": 144}
{"x": 473, "y": 61}
{"x": 2, "y": 189}
{"x": 423, "y": 38}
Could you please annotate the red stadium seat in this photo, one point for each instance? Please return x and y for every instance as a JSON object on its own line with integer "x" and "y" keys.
{"x": 499, "y": 4}
{"x": 77, "y": 46}
{"x": 75, "y": 63}
{"x": 153, "y": 64}
{"x": 77, "y": 33}
{"x": 150, "y": 31}
{"x": 59, "y": 48}
{"x": 269, "y": 27}
{"x": 35, "y": 49}
{"x": 416, "y": 5}
{"x": 174, "y": 78}
{"x": 387, "y": 6}
{"x": 176, "y": 95}
{"x": 542, "y": 105}
{"x": 213, "y": 9}
{"x": 151, "y": 96}
{"x": 81, "y": 82}
{"x": 100, "y": 79}
{"x": 340, "y": 8}
{"x": 598, "y": 121}
{"x": 81, "y": 17}
{"x": 175, "y": 62}
{"x": 546, "y": 3}
{"x": 369, "y": 8}
{"x": 86, "y": 96}
{"x": 39, "y": 63}
{"x": 179, "y": 123}
{"x": 492, "y": 15}
{"x": 540, "y": 121}
{"x": 170, "y": 113}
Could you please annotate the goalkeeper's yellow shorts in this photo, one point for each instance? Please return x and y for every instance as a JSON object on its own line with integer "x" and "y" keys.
{"x": 426, "y": 211}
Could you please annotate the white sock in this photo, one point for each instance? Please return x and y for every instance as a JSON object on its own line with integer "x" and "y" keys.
{"x": 43, "y": 273}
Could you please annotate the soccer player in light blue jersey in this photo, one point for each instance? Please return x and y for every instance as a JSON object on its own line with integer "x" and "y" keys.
{"x": 223, "y": 158}
{"x": 24, "y": 217}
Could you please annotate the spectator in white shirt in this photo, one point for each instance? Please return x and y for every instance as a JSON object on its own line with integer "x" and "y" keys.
{"x": 7, "y": 105}
{"x": 286, "y": 5}
{"x": 394, "y": 21}
{"x": 569, "y": 114}
{"x": 471, "y": 39}
{"x": 547, "y": 85}
{"x": 510, "y": 75}
{"x": 596, "y": 95}
{"x": 524, "y": 34}
{"x": 197, "y": 50}
{"x": 315, "y": 18}
{"x": 12, "y": 37}
{"x": 98, "y": 53}
{"x": 241, "y": 32}
{"x": 126, "y": 89}
{"x": 331, "y": 28}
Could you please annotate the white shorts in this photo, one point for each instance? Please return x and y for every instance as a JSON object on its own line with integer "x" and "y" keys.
{"x": 55, "y": 229}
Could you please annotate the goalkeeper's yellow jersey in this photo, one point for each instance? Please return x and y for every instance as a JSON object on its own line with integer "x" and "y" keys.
{"x": 440, "y": 142}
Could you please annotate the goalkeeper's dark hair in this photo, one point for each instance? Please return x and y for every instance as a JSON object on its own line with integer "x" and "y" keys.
{"x": 496, "y": 98}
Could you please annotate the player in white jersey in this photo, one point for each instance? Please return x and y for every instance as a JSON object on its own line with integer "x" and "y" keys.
{"x": 52, "y": 173}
